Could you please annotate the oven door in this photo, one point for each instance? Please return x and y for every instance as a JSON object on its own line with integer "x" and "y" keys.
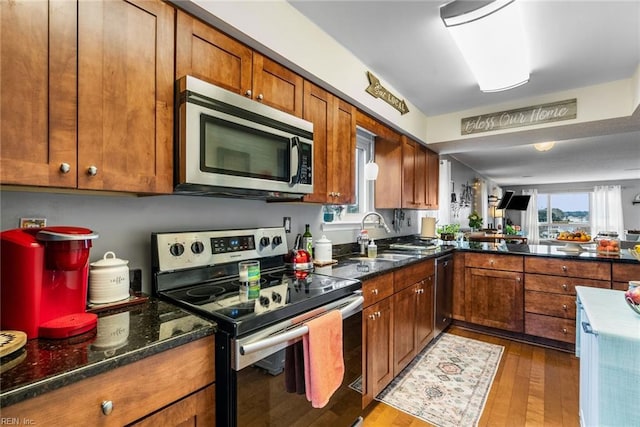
{"x": 261, "y": 395}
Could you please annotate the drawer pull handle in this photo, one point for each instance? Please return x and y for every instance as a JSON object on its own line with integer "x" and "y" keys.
{"x": 107, "y": 407}
{"x": 378, "y": 314}
{"x": 374, "y": 291}
{"x": 372, "y": 316}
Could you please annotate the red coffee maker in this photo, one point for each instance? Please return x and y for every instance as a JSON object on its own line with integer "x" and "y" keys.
{"x": 44, "y": 281}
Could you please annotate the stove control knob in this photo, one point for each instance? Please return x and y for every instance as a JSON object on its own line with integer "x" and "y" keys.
{"x": 277, "y": 240}
{"x": 197, "y": 247}
{"x": 276, "y": 297}
{"x": 176, "y": 249}
{"x": 264, "y": 301}
{"x": 264, "y": 241}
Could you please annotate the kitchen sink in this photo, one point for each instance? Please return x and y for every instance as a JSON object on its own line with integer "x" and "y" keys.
{"x": 384, "y": 257}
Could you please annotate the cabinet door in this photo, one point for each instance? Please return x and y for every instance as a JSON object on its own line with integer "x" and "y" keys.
{"x": 195, "y": 410}
{"x": 458, "y": 286}
{"x": 404, "y": 330}
{"x": 424, "y": 313}
{"x": 208, "y": 54}
{"x": 389, "y": 161}
{"x": 38, "y": 86}
{"x": 420, "y": 176}
{"x": 125, "y": 96}
{"x": 408, "y": 173}
{"x": 432, "y": 179}
{"x": 318, "y": 110}
{"x": 494, "y": 298}
{"x": 378, "y": 348}
{"x": 341, "y": 170}
{"x": 277, "y": 86}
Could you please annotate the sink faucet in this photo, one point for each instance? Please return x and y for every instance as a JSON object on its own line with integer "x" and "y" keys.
{"x": 363, "y": 237}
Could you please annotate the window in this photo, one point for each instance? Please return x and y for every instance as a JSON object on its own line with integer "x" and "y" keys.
{"x": 364, "y": 190}
{"x": 563, "y": 212}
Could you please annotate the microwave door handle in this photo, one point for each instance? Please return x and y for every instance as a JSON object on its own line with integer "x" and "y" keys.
{"x": 295, "y": 143}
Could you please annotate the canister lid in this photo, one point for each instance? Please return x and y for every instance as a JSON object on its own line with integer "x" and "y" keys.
{"x": 65, "y": 233}
{"x": 109, "y": 260}
{"x": 323, "y": 239}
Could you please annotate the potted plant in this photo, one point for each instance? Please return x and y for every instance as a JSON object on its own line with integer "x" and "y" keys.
{"x": 448, "y": 231}
{"x": 475, "y": 221}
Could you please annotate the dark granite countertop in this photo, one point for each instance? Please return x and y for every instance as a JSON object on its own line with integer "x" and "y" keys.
{"x": 122, "y": 336}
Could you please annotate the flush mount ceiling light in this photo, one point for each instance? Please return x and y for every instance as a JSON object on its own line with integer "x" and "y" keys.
{"x": 491, "y": 38}
{"x": 544, "y": 146}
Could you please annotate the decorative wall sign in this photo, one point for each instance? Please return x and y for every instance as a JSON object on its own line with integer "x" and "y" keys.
{"x": 376, "y": 90}
{"x": 534, "y": 115}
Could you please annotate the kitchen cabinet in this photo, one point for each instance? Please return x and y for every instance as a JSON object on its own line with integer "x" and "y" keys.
{"x": 388, "y": 157}
{"x": 458, "y": 286}
{"x": 334, "y": 140}
{"x": 178, "y": 382}
{"x": 413, "y": 304}
{"x": 494, "y": 291}
{"x": 377, "y": 335}
{"x": 208, "y": 54}
{"x": 622, "y": 274}
{"x": 94, "y": 78}
{"x": 420, "y": 176}
{"x": 550, "y": 294}
{"x": 443, "y": 293}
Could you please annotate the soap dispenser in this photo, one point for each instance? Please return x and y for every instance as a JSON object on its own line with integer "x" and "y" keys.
{"x": 372, "y": 249}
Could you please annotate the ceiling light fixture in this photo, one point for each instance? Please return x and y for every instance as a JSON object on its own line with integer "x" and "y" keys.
{"x": 544, "y": 146}
{"x": 491, "y": 38}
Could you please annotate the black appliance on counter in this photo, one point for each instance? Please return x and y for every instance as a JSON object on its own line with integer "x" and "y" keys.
{"x": 199, "y": 271}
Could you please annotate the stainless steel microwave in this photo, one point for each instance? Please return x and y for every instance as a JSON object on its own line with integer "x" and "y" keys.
{"x": 229, "y": 145}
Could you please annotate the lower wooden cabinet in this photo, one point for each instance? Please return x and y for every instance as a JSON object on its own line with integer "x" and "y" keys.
{"x": 377, "y": 351}
{"x": 621, "y": 274}
{"x": 137, "y": 392}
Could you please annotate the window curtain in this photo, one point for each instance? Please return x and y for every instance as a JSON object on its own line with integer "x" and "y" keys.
{"x": 530, "y": 218}
{"x": 606, "y": 209}
{"x": 444, "y": 196}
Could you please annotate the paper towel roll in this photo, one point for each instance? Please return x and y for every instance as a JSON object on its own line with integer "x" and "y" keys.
{"x": 428, "y": 227}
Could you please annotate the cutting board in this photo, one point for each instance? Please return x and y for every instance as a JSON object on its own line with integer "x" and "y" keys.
{"x": 11, "y": 341}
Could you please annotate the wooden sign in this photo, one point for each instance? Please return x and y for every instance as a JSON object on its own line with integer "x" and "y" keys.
{"x": 376, "y": 90}
{"x": 537, "y": 114}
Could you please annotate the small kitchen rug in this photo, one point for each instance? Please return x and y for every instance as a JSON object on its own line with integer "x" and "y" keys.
{"x": 447, "y": 383}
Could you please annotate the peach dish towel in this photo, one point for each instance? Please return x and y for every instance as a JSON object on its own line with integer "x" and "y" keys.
{"x": 323, "y": 358}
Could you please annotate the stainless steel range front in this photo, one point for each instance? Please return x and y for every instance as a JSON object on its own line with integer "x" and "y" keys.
{"x": 198, "y": 270}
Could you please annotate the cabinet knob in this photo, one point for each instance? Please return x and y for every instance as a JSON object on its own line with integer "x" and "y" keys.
{"x": 518, "y": 279}
{"x": 491, "y": 261}
{"x": 378, "y": 314}
{"x": 564, "y": 330}
{"x": 374, "y": 291}
{"x": 65, "y": 167}
{"x": 92, "y": 170}
{"x": 107, "y": 407}
{"x": 338, "y": 194}
{"x": 260, "y": 97}
{"x": 248, "y": 94}
{"x": 564, "y": 268}
{"x": 564, "y": 286}
{"x": 564, "y": 307}
{"x": 372, "y": 316}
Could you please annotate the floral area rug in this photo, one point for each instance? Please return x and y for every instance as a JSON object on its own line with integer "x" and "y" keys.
{"x": 447, "y": 383}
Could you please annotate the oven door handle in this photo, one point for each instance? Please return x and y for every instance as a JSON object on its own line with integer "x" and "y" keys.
{"x": 298, "y": 332}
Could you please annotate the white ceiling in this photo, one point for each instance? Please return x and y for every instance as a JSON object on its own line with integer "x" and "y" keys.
{"x": 572, "y": 44}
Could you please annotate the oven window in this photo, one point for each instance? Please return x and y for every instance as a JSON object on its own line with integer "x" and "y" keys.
{"x": 233, "y": 149}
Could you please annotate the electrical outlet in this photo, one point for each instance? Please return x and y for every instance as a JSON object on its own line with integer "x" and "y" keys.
{"x": 286, "y": 223}
{"x": 33, "y": 222}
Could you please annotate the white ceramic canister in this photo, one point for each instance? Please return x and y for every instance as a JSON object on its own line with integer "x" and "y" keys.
{"x": 323, "y": 250}
{"x": 108, "y": 279}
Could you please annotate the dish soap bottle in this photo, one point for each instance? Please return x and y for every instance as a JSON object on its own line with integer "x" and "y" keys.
{"x": 307, "y": 239}
{"x": 373, "y": 249}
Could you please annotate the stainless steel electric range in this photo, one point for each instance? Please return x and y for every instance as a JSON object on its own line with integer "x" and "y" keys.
{"x": 198, "y": 270}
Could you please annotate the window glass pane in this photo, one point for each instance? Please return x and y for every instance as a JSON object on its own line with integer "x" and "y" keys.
{"x": 543, "y": 206}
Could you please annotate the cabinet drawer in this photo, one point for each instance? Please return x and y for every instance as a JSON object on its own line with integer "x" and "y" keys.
{"x": 494, "y": 262}
{"x": 550, "y": 304}
{"x": 561, "y": 267}
{"x": 376, "y": 289}
{"x": 550, "y": 327}
{"x": 413, "y": 273}
{"x": 135, "y": 390}
{"x": 625, "y": 272}
{"x": 560, "y": 285}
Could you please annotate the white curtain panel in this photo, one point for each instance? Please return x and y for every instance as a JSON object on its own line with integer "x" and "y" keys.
{"x": 530, "y": 218}
{"x": 606, "y": 209}
{"x": 444, "y": 196}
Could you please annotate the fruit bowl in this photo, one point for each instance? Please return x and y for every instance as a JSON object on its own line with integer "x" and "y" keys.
{"x": 635, "y": 307}
{"x": 572, "y": 245}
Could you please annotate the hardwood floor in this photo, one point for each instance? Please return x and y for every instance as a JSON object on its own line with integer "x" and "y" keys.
{"x": 534, "y": 386}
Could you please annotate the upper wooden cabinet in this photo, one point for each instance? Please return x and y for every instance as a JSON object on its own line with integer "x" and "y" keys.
{"x": 420, "y": 176}
{"x": 208, "y": 54}
{"x": 123, "y": 117}
{"x": 334, "y": 140}
{"x": 38, "y": 87}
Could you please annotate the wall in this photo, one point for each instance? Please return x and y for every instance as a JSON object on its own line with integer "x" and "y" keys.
{"x": 125, "y": 223}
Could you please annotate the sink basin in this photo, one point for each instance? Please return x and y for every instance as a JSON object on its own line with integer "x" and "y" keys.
{"x": 384, "y": 257}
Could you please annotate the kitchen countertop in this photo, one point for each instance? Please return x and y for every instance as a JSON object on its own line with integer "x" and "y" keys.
{"x": 122, "y": 336}
{"x": 127, "y": 335}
